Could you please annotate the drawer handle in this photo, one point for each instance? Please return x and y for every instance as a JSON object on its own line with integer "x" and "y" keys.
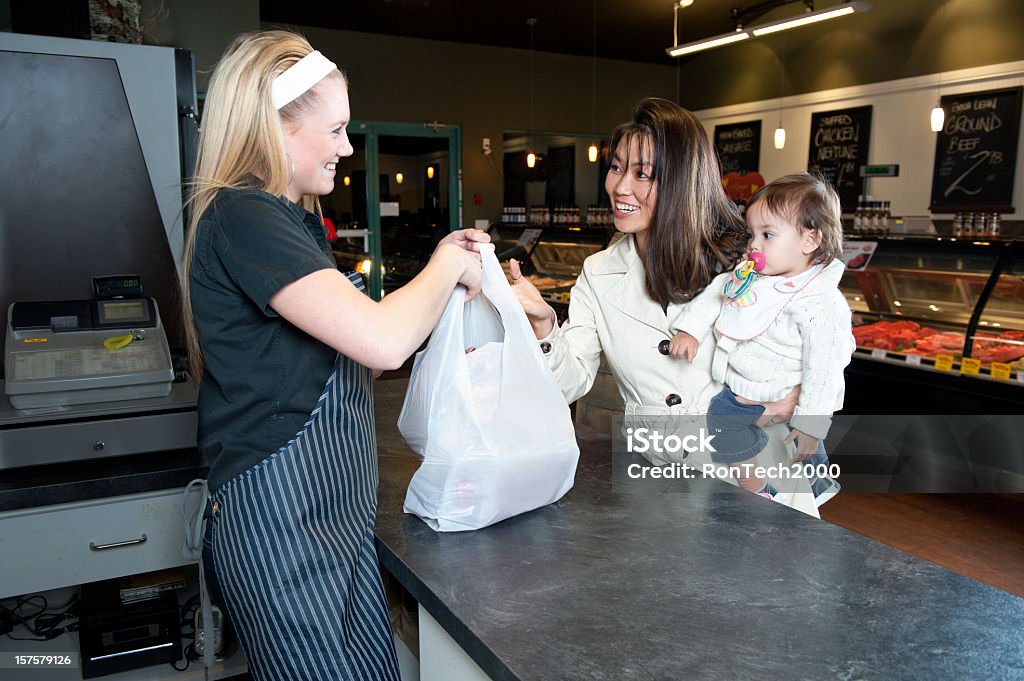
{"x": 113, "y": 545}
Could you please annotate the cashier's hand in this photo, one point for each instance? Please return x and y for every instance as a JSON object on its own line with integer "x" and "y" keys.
{"x": 462, "y": 260}
{"x": 540, "y": 314}
{"x": 806, "y": 445}
{"x": 777, "y": 412}
{"x": 466, "y": 239}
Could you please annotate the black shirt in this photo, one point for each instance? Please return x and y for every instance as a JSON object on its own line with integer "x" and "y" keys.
{"x": 263, "y": 376}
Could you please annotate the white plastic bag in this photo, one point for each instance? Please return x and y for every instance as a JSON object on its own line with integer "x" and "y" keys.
{"x": 492, "y": 426}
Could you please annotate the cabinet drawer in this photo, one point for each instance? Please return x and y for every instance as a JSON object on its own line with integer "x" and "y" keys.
{"x": 66, "y": 544}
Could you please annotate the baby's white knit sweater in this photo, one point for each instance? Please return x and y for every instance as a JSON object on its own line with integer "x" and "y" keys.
{"x": 809, "y": 343}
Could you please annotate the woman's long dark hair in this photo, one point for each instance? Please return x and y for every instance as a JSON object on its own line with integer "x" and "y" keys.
{"x": 696, "y": 231}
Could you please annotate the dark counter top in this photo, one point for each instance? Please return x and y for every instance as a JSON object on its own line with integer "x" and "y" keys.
{"x": 713, "y": 583}
{"x": 98, "y": 478}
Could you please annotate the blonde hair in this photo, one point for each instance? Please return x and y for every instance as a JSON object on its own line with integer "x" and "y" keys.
{"x": 811, "y": 203}
{"x": 241, "y": 140}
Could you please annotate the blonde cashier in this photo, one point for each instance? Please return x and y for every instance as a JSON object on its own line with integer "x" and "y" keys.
{"x": 285, "y": 345}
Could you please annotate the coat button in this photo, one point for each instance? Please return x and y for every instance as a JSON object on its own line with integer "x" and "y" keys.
{"x": 663, "y": 347}
{"x": 545, "y": 347}
{"x": 673, "y": 399}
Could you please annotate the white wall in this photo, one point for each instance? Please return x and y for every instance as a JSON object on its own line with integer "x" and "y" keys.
{"x": 900, "y": 130}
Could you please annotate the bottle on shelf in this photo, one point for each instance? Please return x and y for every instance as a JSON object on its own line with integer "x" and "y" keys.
{"x": 858, "y": 215}
{"x": 886, "y": 217}
{"x": 993, "y": 225}
{"x": 958, "y": 224}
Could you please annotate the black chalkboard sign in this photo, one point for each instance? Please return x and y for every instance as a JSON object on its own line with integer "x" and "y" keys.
{"x": 839, "y": 147}
{"x": 976, "y": 151}
{"x": 739, "y": 146}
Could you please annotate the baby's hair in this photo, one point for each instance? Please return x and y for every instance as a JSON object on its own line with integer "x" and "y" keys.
{"x": 809, "y": 202}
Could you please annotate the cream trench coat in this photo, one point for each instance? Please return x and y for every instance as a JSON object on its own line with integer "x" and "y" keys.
{"x": 611, "y": 313}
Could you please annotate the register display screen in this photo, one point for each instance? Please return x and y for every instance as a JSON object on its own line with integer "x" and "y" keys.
{"x": 127, "y": 311}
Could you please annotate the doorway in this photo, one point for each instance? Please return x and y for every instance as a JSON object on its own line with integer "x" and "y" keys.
{"x": 397, "y": 195}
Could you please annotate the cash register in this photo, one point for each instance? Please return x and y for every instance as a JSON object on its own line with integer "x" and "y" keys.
{"x": 91, "y": 378}
{"x": 68, "y": 352}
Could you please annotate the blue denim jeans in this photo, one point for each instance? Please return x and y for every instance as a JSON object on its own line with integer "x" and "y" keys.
{"x": 737, "y": 439}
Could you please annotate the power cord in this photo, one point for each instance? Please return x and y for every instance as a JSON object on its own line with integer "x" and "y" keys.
{"x": 41, "y": 623}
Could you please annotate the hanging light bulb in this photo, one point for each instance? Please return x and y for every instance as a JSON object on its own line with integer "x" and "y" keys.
{"x": 938, "y": 117}
{"x": 780, "y": 132}
{"x": 780, "y": 136}
{"x": 430, "y": 172}
{"x": 592, "y": 149}
{"x": 531, "y": 158}
{"x": 346, "y": 180}
{"x": 399, "y": 178}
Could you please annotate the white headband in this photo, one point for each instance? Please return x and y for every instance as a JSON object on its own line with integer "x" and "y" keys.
{"x": 300, "y": 77}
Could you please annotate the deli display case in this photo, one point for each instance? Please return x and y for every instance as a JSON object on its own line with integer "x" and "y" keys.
{"x": 939, "y": 325}
{"x": 551, "y": 256}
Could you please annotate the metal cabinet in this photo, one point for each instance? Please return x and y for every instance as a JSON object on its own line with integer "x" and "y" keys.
{"x": 68, "y": 544}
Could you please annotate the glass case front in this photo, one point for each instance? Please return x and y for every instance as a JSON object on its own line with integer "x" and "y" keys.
{"x": 937, "y": 303}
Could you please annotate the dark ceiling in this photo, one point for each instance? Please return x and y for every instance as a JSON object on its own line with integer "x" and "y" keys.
{"x": 635, "y": 30}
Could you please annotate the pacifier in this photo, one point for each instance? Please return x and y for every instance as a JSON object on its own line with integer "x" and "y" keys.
{"x": 743, "y": 278}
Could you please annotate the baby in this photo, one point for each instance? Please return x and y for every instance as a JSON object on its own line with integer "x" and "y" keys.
{"x": 780, "y": 321}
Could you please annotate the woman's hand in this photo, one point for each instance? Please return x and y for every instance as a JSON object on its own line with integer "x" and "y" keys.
{"x": 780, "y": 411}
{"x": 541, "y": 315}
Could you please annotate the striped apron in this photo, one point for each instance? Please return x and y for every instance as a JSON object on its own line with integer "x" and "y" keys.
{"x": 292, "y": 547}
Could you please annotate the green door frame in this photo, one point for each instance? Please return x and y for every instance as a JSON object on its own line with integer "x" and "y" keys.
{"x": 373, "y": 130}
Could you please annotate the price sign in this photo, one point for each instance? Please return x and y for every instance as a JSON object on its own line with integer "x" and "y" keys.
{"x": 839, "y": 147}
{"x": 976, "y": 151}
{"x": 914, "y": 359}
{"x": 944, "y": 362}
{"x": 878, "y": 353}
{"x": 970, "y": 366}
{"x": 1001, "y": 371}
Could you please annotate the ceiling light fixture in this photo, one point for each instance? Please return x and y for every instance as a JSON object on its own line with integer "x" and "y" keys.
{"x": 741, "y": 33}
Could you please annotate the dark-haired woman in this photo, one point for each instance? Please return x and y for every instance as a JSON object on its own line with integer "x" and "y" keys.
{"x": 678, "y": 230}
